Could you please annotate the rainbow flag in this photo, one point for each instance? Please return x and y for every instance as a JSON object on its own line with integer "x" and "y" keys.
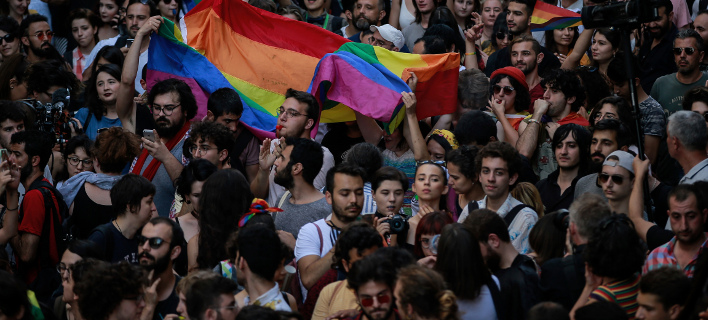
{"x": 548, "y": 17}
{"x": 370, "y": 79}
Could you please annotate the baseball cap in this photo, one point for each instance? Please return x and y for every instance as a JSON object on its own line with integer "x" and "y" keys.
{"x": 389, "y": 33}
{"x": 625, "y": 160}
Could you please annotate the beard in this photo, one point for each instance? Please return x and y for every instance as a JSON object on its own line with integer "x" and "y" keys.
{"x": 284, "y": 178}
{"x": 341, "y": 213}
{"x": 492, "y": 259}
{"x": 165, "y": 130}
{"x": 363, "y": 23}
{"x": 39, "y": 51}
{"x": 386, "y": 316}
{"x": 158, "y": 265}
{"x": 25, "y": 172}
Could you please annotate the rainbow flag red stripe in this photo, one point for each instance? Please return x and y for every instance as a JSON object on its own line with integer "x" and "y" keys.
{"x": 548, "y": 17}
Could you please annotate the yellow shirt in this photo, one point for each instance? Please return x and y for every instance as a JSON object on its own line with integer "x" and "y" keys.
{"x": 334, "y": 297}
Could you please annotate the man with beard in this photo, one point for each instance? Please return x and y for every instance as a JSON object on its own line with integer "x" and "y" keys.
{"x": 518, "y": 20}
{"x": 37, "y": 243}
{"x": 608, "y": 135}
{"x": 373, "y": 280}
{"x": 36, "y": 37}
{"x": 563, "y": 97}
{"x": 297, "y": 117}
{"x": 367, "y": 13}
{"x": 158, "y": 246}
{"x": 213, "y": 141}
{"x": 161, "y": 161}
{"x": 657, "y": 46}
{"x": 571, "y": 147}
{"x": 687, "y": 213}
{"x": 526, "y": 55}
{"x": 296, "y": 169}
{"x": 517, "y": 275}
{"x": 137, "y": 13}
{"x": 212, "y": 298}
{"x": 688, "y": 54}
{"x": 317, "y": 15}
{"x": 315, "y": 243}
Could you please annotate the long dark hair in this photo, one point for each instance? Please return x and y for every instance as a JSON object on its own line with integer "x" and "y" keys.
{"x": 460, "y": 262}
{"x": 499, "y": 25}
{"x": 225, "y": 197}
{"x": 523, "y": 97}
{"x": 93, "y": 103}
{"x": 551, "y": 44}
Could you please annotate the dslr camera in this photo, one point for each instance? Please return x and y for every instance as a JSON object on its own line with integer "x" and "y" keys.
{"x": 398, "y": 223}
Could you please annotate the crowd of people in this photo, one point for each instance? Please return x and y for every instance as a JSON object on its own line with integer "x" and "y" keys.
{"x": 546, "y": 195}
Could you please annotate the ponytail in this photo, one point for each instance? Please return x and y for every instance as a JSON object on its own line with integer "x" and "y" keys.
{"x": 448, "y": 305}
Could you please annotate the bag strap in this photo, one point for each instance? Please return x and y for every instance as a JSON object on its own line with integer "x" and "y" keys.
{"x": 89, "y": 116}
{"x": 282, "y": 200}
{"x": 319, "y": 233}
{"x": 472, "y": 205}
{"x": 499, "y": 306}
{"x": 51, "y": 217}
{"x": 509, "y": 218}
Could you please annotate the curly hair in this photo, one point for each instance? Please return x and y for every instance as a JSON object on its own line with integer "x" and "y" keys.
{"x": 225, "y": 197}
{"x": 463, "y": 157}
{"x": 115, "y": 148}
{"x": 367, "y": 156}
{"x": 196, "y": 170}
{"x": 566, "y": 81}
{"x": 594, "y": 83}
{"x": 614, "y": 249}
{"x": 179, "y": 87}
{"x": 501, "y": 150}
{"x": 424, "y": 290}
{"x": 215, "y": 132}
{"x": 697, "y": 94}
{"x": 359, "y": 236}
{"x": 104, "y": 287}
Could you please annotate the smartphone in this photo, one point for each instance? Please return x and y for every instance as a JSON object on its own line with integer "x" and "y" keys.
{"x": 149, "y": 134}
{"x": 4, "y": 155}
{"x": 129, "y": 42}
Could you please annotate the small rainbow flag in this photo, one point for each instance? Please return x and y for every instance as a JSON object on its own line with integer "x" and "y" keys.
{"x": 370, "y": 79}
{"x": 548, "y": 17}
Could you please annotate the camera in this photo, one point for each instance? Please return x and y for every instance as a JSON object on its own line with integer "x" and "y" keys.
{"x": 398, "y": 223}
{"x": 620, "y": 14}
{"x": 54, "y": 117}
{"x": 562, "y": 219}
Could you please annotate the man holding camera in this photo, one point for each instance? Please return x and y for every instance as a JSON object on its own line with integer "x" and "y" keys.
{"x": 296, "y": 169}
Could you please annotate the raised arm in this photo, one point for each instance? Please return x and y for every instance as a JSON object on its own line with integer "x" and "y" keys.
{"x": 528, "y": 133}
{"x": 8, "y": 184}
{"x": 636, "y": 199}
{"x": 581, "y": 46}
{"x": 411, "y": 129}
{"x": 370, "y": 130}
{"x": 471, "y": 36}
{"x": 510, "y": 134}
{"x": 395, "y": 14}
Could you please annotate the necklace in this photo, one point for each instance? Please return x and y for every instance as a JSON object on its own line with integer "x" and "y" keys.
{"x": 117, "y": 226}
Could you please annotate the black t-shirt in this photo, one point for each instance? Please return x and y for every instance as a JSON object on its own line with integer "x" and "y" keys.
{"x": 519, "y": 286}
{"x": 563, "y": 279}
{"x": 117, "y": 248}
{"x": 339, "y": 143}
{"x": 169, "y": 305}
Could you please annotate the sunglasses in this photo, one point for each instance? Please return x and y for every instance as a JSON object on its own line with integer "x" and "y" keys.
{"x": 507, "y": 89}
{"x": 369, "y": 301}
{"x": 154, "y": 243}
{"x": 705, "y": 115}
{"x": 437, "y": 162}
{"x": 501, "y": 35}
{"x": 616, "y": 179}
{"x": 689, "y": 51}
{"x": 7, "y": 38}
{"x": 48, "y": 35}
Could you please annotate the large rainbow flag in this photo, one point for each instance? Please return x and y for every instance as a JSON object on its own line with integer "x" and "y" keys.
{"x": 229, "y": 43}
{"x": 548, "y": 17}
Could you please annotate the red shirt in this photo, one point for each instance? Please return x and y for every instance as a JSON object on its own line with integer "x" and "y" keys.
{"x": 32, "y": 216}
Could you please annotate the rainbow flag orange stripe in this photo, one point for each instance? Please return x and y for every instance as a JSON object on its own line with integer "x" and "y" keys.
{"x": 548, "y": 17}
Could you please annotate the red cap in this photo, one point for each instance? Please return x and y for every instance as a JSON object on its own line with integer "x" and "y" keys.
{"x": 512, "y": 72}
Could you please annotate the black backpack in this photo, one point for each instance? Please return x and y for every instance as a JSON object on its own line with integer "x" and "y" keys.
{"x": 472, "y": 205}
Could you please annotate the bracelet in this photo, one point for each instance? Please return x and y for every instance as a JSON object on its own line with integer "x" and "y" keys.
{"x": 470, "y": 53}
{"x": 534, "y": 121}
{"x": 15, "y": 209}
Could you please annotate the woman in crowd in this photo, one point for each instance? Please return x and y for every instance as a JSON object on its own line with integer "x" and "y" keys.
{"x": 420, "y": 293}
{"x": 696, "y": 100}
{"x": 292, "y": 11}
{"x": 13, "y": 85}
{"x": 101, "y": 96}
{"x": 562, "y": 41}
{"x": 9, "y": 37}
{"x": 527, "y": 193}
{"x": 189, "y": 186}
{"x": 430, "y": 224}
{"x": 107, "y": 55}
{"x": 510, "y": 100}
{"x": 614, "y": 256}
{"x": 547, "y": 237}
{"x": 225, "y": 197}
{"x": 170, "y": 10}
{"x": 612, "y": 108}
{"x": 604, "y": 43}
{"x": 490, "y": 10}
{"x": 15, "y": 9}
{"x": 88, "y": 194}
{"x": 501, "y": 36}
{"x": 110, "y": 12}
{"x": 461, "y": 263}
{"x": 70, "y": 270}
{"x": 465, "y": 12}
{"x": 84, "y": 29}
{"x": 77, "y": 158}
{"x": 463, "y": 177}
{"x": 430, "y": 186}
{"x": 403, "y": 13}
{"x": 388, "y": 186}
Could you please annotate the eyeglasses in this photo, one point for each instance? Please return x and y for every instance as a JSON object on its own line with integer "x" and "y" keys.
{"x": 616, "y": 179}
{"x": 154, "y": 243}
{"x": 704, "y": 115}
{"x": 167, "y": 110}
{"x": 233, "y": 306}
{"x": 689, "y": 51}
{"x": 201, "y": 150}
{"x": 62, "y": 267}
{"x": 507, "y": 89}
{"x": 74, "y": 161}
{"x": 606, "y": 115}
{"x": 7, "y": 38}
{"x": 501, "y": 35}
{"x": 137, "y": 298}
{"x": 369, "y": 301}
{"x": 437, "y": 162}
{"x": 42, "y": 35}
{"x": 289, "y": 113}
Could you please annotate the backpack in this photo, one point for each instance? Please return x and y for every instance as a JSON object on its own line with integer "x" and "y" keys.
{"x": 472, "y": 205}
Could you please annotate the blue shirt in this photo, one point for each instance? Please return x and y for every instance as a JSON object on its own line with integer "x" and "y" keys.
{"x": 95, "y": 124}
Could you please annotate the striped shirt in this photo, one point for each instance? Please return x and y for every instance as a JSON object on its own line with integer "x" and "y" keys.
{"x": 664, "y": 256}
{"x": 369, "y": 202}
{"x": 623, "y": 292}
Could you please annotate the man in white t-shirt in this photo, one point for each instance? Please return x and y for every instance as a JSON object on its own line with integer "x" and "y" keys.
{"x": 314, "y": 248}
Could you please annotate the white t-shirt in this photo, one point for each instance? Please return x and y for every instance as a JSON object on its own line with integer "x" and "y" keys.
{"x": 308, "y": 242}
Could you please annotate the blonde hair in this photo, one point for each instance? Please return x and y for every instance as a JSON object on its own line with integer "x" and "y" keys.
{"x": 186, "y": 282}
{"x": 527, "y": 193}
{"x": 424, "y": 289}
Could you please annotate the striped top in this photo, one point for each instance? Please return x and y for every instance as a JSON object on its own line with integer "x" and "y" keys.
{"x": 623, "y": 292}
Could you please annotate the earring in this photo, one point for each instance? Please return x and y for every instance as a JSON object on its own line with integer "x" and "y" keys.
{"x": 11, "y": 87}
